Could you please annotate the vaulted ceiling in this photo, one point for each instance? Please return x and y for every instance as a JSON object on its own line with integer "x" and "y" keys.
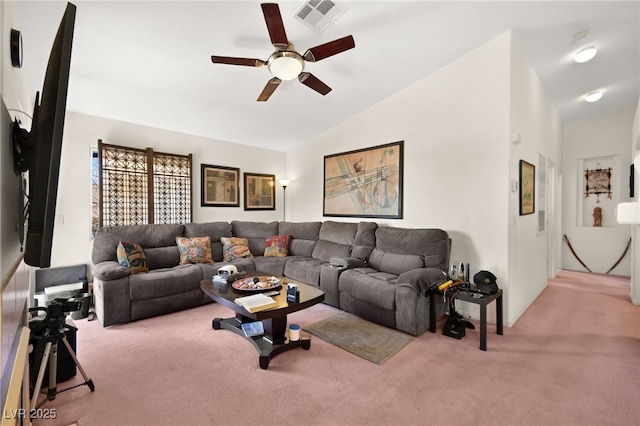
{"x": 150, "y": 63}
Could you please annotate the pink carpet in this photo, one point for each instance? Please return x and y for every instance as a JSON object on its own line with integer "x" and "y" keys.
{"x": 573, "y": 358}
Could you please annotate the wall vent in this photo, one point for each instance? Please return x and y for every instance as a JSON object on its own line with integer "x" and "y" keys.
{"x": 319, "y": 14}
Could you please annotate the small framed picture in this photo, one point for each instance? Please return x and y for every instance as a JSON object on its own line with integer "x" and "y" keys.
{"x": 219, "y": 186}
{"x": 527, "y": 188}
{"x": 259, "y": 191}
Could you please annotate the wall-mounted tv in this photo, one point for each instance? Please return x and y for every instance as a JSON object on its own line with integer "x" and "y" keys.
{"x": 38, "y": 150}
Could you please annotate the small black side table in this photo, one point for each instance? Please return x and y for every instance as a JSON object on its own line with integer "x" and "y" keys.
{"x": 468, "y": 296}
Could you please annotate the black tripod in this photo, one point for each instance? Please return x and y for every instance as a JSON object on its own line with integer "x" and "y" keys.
{"x": 52, "y": 330}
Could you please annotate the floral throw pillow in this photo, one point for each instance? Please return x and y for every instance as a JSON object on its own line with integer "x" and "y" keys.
{"x": 194, "y": 250}
{"x": 235, "y": 248}
{"x": 277, "y": 246}
{"x": 132, "y": 256}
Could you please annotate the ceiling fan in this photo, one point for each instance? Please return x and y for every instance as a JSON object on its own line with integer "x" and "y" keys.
{"x": 285, "y": 63}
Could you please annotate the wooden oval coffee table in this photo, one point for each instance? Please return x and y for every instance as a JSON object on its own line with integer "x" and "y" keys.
{"x": 274, "y": 320}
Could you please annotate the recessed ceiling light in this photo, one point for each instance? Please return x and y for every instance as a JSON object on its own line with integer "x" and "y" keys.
{"x": 580, "y": 35}
{"x": 585, "y": 54}
{"x": 593, "y": 96}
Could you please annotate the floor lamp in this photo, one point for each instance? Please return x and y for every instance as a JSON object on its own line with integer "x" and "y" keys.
{"x": 284, "y": 183}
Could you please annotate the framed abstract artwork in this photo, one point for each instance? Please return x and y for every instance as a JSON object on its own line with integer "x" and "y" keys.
{"x": 527, "y": 188}
{"x": 219, "y": 186}
{"x": 259, "y": 191}
{"x": 364, "y": 183}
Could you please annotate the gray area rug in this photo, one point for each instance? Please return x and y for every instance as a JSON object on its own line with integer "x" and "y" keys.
{"x": 370, "y": 341}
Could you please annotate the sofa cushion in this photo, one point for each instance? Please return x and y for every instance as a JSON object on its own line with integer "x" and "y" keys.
{"x": 431, "y": 244}
{"x": 106, "y": 239}
{"x": 338, "y": 232}
{"x": 277, "y": 246}
{"x": 235, "y": 248}
{"x": 165, "y": 282}
{"x": 304, "y": 236}
{"x": 109, "y": 271}
{"x": 132, "y": 256}
{"x": 215, "y": 230}
{"x": 325, "y": 250}
{"x": 365, "y": 240}
{"x": 370, "y": 286}
{"x": 194, "y": 250}
{"x": 393, "y": 262}
{"x": 162, "y": 257}
{"x": 304, "y": 269}
{"x": 335, "y": 239}
{"x": 270, "y": 265}
{"x": 256, "y": 233}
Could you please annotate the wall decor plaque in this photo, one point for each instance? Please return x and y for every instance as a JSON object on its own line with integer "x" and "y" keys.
{"x": 598, "y": 182}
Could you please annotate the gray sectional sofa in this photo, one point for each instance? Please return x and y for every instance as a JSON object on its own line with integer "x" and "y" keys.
{"x": 387, "y": 270}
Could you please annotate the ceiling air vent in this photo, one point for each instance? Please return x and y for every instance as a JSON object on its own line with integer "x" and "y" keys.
{"x": 319, "y": 14}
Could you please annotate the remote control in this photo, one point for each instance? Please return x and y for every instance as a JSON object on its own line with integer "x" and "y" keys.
{"x": 272, "y": 293}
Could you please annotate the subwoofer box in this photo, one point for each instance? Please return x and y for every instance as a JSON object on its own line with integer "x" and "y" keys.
{"x": 66, "y": 367}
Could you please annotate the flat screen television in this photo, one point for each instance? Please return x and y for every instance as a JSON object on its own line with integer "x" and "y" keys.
{"x": 38, "y": 150}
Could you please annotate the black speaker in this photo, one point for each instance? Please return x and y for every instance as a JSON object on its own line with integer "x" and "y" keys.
{"x": 455, "y": 327}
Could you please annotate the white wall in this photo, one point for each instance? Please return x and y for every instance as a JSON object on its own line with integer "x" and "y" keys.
{"x": 72, "y": 243}
{"x": 16, "y": 96}
{"x": 535, "y": 119}
{"x": 457, "y": 169}
{"x": 605, "y": 136}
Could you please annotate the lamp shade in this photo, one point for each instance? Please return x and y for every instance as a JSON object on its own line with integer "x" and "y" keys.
{"x": 285, "y": 65}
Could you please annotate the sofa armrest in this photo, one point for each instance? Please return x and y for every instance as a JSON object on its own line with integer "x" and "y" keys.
{"x": 109, "y": 270}
{"x": 347, "y": 262}
{"x": 422, "y": 279}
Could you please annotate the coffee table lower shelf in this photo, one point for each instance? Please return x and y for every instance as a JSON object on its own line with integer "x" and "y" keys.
{"x": 265, "y": 347}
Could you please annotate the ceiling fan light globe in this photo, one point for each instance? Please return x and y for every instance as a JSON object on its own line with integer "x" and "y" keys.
{"x": 285, "y": 65}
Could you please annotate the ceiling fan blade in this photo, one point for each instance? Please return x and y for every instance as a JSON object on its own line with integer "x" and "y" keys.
{"x": 273, "y": 18}
{"x": 268, "y": 90}
{"x": 329, "y": 49}
{"x": 312, "y": 81}
{"x": 237, "y": 61}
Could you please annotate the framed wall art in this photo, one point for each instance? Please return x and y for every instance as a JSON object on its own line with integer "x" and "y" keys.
{"x": 219, "y": 186}
{"x": 364, "y": 183}
{"x": 527, "y": 188}
{"x": 259, "y": 191}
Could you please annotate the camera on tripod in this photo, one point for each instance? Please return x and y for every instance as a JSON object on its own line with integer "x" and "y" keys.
{"x": 45, "y": 336}
{"x": 57, "y": 312}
